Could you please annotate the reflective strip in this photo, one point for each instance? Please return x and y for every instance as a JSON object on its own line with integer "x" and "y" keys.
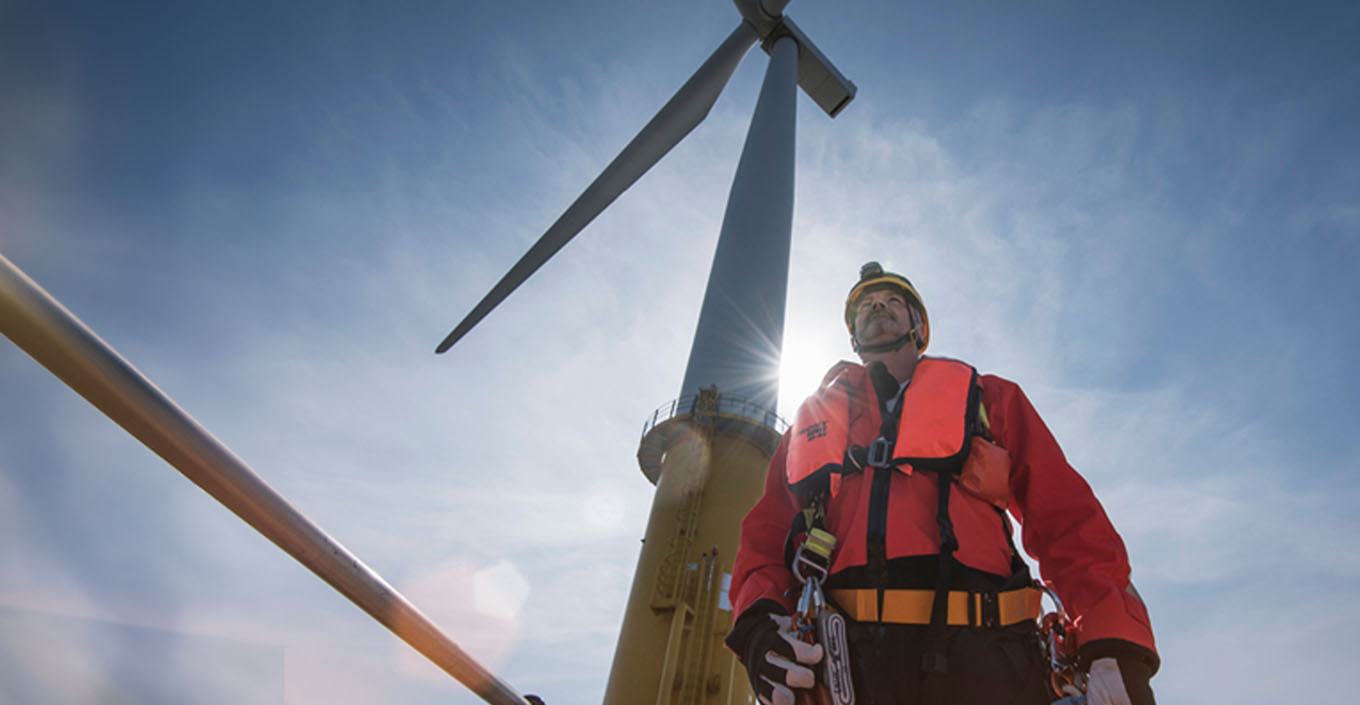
{"x": 820, "y": 542}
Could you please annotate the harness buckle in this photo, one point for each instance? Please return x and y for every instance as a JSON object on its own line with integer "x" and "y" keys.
{"x": 805, "y": 560}
{"x": 880, "y": 453}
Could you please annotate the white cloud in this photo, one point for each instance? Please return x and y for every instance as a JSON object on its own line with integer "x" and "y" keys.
{"x": 1025, "y": 230}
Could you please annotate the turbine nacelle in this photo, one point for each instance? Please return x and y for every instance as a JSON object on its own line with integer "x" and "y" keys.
{"x": 817, "y": 76}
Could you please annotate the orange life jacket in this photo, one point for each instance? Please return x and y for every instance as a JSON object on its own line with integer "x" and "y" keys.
{"x": 941, "y": 427}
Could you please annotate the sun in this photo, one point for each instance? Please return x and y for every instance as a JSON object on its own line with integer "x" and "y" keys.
{"x": 804, "y": 360}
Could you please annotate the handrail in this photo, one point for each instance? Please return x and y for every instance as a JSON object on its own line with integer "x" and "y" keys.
{"x": 53, "y": 336}
{"x": 728, "y": 405}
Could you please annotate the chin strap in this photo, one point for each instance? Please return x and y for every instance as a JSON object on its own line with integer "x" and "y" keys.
{"x": 890, "y": 346}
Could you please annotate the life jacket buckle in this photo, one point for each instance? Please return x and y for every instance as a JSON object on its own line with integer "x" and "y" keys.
{"x": 880, "y": 453}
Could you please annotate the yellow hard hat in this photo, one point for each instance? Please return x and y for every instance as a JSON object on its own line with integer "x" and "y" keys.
{"x": 871, "y": 275}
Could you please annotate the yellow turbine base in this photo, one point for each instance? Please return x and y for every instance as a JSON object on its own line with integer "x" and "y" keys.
{"x": 670, "y": 649}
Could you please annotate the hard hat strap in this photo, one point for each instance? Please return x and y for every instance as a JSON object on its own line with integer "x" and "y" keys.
{"x": 890, "y": 346}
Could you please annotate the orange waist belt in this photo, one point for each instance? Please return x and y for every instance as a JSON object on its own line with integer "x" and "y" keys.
{"x": 966, "y": 609}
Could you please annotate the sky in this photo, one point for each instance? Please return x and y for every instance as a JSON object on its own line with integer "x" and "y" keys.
{"x": 1145, "y": 214}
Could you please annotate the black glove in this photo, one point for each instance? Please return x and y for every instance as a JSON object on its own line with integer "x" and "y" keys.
{"x": 776, "y": 661}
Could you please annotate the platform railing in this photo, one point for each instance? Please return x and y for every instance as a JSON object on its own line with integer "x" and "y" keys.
{"x": 728, "y": 406}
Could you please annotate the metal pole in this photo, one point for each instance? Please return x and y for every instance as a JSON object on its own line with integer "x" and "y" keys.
{"x": 53, "y": 336}
{"x": 741, "y": 323}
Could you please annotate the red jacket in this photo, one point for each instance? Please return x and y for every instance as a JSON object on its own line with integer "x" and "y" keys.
{"x": 1064, "y": 526}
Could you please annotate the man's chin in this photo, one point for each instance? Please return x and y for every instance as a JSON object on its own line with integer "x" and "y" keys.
{"x": 874, "y": 335}
{"x": 871, "y": 341}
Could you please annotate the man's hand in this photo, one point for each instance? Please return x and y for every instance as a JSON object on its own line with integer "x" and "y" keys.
{"x": 1120, "y": 680}
{"x": 1105, "y": 685}
{"x": 777, "y": 661}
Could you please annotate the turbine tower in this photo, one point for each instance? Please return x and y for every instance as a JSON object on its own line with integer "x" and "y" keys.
{"x": 707, "y": 451}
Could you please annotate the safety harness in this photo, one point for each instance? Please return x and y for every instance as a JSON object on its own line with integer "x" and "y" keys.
{"x": 938, "y": 425}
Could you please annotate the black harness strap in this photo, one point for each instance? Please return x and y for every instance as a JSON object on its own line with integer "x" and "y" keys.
{"x": 934, "y": 662}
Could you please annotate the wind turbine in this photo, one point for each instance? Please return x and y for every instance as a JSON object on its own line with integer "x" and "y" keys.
{"x": 707, "y": 451}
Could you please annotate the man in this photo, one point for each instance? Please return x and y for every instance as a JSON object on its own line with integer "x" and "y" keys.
{"x": 908, "y": 464}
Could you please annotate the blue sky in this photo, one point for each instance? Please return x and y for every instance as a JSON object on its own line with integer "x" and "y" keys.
{"x": 1145, "y": 215}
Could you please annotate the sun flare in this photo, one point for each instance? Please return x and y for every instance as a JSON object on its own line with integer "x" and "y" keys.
{"x": 803, "y": 362}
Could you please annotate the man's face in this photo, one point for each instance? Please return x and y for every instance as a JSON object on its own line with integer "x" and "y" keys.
{"x": 882, "y": 315}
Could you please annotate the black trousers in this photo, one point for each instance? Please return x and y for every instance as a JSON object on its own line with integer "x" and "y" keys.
{"x": 1001, "y": 666}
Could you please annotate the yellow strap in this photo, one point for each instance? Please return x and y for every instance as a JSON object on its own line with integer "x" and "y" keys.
{"x": 914, "y": 606}
{"x": 820, "y": 542}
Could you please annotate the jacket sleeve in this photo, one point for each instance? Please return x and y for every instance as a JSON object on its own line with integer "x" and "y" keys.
{"x": 758, "y": 571}
{"x": 1064, "y": 527}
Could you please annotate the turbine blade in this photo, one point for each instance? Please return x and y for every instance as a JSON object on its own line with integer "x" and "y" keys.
{"x": 686, "y": 109}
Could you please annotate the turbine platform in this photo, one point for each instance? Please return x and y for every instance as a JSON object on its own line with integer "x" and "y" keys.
{"x": 706, "y": 412}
